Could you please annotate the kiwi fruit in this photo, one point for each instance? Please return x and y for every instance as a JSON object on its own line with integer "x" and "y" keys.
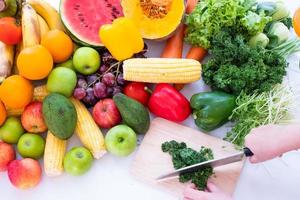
{"x": 8, "y": 8}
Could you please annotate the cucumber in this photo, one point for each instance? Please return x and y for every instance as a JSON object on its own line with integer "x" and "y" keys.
{"x": 133, "y": 113}
{"x": 60, "y": 115}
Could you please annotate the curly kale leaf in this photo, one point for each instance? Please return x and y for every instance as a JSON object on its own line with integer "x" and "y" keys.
{"x": 182, "y": 156}
{"x": 236, "y": 67}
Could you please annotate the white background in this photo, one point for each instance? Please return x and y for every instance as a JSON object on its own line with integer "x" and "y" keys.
{"x": 109, "y": 178}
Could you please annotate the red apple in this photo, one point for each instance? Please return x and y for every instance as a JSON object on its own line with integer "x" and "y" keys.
{"x": 32, "y": 118}
{"x": 24, "y": 174}
{"x": 106, "y": 113}
{"x": 7, "y": 154}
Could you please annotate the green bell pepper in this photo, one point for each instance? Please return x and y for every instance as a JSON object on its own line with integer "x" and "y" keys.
{"x": 212, "y": 109}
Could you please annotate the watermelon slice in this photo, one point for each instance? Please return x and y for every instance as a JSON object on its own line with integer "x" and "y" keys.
{"x": 83, "y": 18}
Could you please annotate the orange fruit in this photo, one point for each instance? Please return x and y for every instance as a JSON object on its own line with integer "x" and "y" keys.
{"x": 16, "y": 92}
{"x": 35, "y": 63}
{"x": 58, "y": 44}
{"x": 3, "y": 113}
{"x": 296, "y": 22}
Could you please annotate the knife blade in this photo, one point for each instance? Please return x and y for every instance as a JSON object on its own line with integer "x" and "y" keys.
{"x": 210, "y": 163}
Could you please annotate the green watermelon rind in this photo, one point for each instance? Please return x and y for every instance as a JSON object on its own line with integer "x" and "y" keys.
{"x": 75, "y": 38}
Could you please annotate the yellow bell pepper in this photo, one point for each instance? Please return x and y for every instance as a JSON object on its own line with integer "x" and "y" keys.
{"x": 121, "y": 38}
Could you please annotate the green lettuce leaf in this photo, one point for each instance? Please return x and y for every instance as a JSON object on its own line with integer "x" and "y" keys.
{"x": 208, "y": 18}
{"x": 254, "y": 23}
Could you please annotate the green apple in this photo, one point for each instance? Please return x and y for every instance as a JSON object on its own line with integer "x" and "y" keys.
{"x": 121, "y": 140}
{"x": 78, "y": 161}
{"x": 11, "y": 130}
{"x": 86, "y": 60}
{"x": 31, "y": 146}
{"x": 62, "y": 80}
{"x": 67, "y": 64}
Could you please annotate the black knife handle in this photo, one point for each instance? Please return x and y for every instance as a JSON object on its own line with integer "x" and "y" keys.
{"x": 248, "y": 152}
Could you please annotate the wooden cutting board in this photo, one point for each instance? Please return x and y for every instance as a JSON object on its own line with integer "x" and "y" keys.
{"x": 150, "y": 162}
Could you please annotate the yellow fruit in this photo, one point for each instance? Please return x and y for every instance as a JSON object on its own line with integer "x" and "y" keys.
{"x": 16, "y": 92}
{"x": 58, "y": 44}
{"x": 3, "y": 113}
{"x": 35, "y": 63}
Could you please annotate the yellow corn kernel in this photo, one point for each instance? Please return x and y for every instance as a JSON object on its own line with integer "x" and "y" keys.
{"x": 55, "y": 150}
{"x": 162, "y": 70}
{"x": 87, "y": 130}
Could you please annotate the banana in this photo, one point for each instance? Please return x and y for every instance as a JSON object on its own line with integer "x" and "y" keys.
{"x": 6, "y": 60}
{"x": 44, "y": 28}
{"x": 48, "y": 13}
{"x": 30, "y": 27}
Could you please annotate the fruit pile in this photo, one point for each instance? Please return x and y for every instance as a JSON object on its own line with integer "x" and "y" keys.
{"x": 106, "y": 82}
{"x": 54, "y": 66}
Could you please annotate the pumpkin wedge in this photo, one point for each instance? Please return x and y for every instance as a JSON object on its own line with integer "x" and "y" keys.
{"x": 156, "y": 19}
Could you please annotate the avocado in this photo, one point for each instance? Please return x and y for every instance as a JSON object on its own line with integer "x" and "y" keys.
{"x": 60, "y": 115}
{"x": 133, "y": 113}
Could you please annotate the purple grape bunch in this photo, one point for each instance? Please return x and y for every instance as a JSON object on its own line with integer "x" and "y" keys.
{"x": 105, "y": 83}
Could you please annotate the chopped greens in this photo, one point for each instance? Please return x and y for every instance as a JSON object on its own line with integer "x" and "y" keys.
{"x": 183, "y": 156}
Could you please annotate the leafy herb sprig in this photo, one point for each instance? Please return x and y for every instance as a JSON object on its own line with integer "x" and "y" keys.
{"x": 254, "y": 110}
{"x": 183, "y": 156}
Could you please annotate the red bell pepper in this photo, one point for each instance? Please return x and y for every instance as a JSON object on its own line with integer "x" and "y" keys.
{"x": 168, "y": 103}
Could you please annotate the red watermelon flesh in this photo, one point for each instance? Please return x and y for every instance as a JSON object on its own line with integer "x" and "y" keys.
{"x": 83, "y": 18}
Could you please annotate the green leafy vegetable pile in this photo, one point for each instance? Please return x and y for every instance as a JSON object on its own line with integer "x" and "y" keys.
{"x": 182, "y": 156}
{"x": 249, "y": 42}
{"x": 259, "y": 109}
{"x": 211, "y": 16}
{"x": 236, "y": 67}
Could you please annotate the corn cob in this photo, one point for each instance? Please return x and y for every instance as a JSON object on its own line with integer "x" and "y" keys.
{"x": 55, "y": 150}
{"x": 14, "y": 111}
{"x": 39, "y": 93}
{"x": 87, "y": 130}
{"x": 162, "y": 70}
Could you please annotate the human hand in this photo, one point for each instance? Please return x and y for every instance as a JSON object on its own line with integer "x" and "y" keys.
{"x": 211, "y": 193}
{"x": 269, "y": 141}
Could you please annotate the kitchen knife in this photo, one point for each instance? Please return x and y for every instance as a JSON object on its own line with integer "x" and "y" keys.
{"x": 210, "y": 163}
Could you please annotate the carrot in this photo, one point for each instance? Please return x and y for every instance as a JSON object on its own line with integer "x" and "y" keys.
{"x": 174, "y": 45}
{"x": 190, "y": 5}
{"x": 196, "y": 53}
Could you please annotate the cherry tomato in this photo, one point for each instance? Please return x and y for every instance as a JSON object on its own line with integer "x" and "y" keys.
{"x": 296, "y": 22}
{"x": 10, "y": 31}
{"x": 137, "y": 91}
